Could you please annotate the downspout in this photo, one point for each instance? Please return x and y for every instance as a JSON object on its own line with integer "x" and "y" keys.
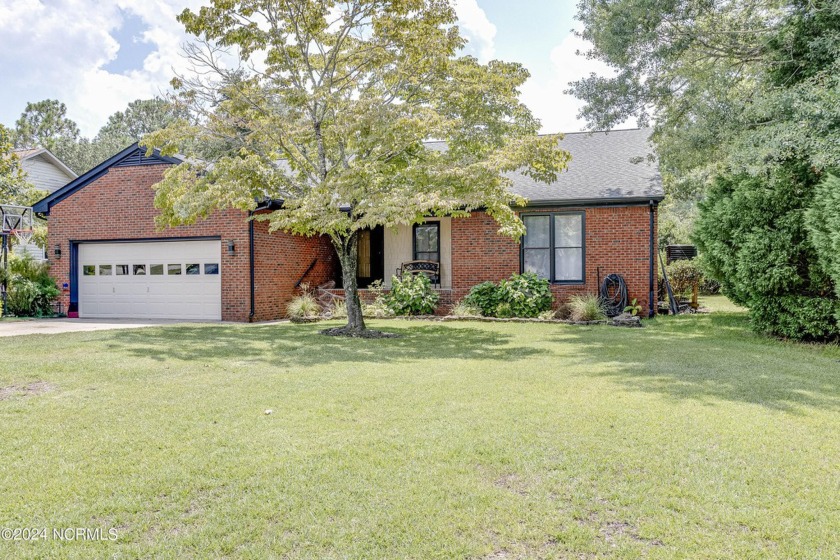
{"x": 652, "y": 294}
{"x": 251, "y": 263}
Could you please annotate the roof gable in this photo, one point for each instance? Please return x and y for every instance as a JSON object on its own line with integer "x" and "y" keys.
{"x": 48, "y": 156}
{"x": 132, "y": 156}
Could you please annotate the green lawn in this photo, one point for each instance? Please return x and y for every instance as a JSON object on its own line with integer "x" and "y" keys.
{"x": 691, "y": 438}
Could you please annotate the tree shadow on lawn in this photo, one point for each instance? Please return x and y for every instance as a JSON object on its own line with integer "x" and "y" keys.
{"x": 290, "y": 345}
{"x": 715, "y": 357}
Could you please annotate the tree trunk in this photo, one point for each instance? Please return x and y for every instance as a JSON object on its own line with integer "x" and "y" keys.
{"x": 349, "y": 258}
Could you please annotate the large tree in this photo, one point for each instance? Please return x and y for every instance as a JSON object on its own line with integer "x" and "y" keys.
{"x": 328, "y": 110}
{"x": 141, "y": 117}
{"x": 745, "y": 100}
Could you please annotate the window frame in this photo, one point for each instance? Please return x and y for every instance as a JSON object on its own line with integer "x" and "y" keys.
{"x": 553, "y": 248}
{"x": 436, "y": 224}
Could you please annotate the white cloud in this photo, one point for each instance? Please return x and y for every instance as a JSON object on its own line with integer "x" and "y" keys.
{"x": 59, "y": 49}
{"x": 557, "y": 110}
{"x": 475, "y": 26}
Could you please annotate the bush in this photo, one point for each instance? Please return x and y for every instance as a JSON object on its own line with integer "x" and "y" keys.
{"x": 485, "y": 297}
{"x": 31, "y": 288}
{"x": 684, "y": 275}
{"x": 504, "y": 310}
{"x": 753, "y": 237}
{"x": 412, "y": 295}
{"x": 527, "y": 294}
{"x": 523, "y": 295}
{"x": 564, "y": 312}
{"x": 822, "y": 221}
{"x": 304, "y": 306}
{"x": 463, "y": 309}
{"x": 586, "y": 308}
{"x": 338, "y": 310}
{"x": 377, "y": 309}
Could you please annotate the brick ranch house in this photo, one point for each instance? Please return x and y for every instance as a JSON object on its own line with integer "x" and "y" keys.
{"x": 112, "y": 262}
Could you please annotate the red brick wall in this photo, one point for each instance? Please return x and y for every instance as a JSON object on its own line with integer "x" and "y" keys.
{"x": 120, "y": 205}
{"x": 617, "y": 241}
{"x": 280, "y": 259}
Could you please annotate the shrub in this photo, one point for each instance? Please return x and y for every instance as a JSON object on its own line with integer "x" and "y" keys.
{"x": 586, "y": 308}
{"x": 527, "y": 294}
{"x": 822, "y": 221}
{"x": 684, "y": 275}
{"x": 753, "y": 237}
{"x": 547, "y": 315}
{"x": 303, "y": 306}
{"x": 504, "y": 310}
{"x": 564, "y": 312}
{"x": 463, "y": 309}
{"x": 338, "y": 310}
{"x": 485, "y": 297}
{"x": 412, "y": 295}
{"x": 31, "y": 288}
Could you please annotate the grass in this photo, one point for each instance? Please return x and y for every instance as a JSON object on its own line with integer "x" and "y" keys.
{"x": 691, "y": 438}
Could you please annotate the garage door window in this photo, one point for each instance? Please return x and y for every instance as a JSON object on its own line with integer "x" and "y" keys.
{"x": 156, "y": 269}
{"x": 173, "y": 269}
{"x": 139, "y": 269}
{"x": 193, "y": 269}
{"x": 211, "y": 268}
{"x": 89, "y": 270}
{"x": 122, "y": 270}
{"x": 104, "y": 270}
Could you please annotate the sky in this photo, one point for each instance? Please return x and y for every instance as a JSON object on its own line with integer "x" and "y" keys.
{"x": 98, "y": 55}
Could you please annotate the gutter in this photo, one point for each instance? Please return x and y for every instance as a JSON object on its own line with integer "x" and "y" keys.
{"x": 615, "y": 202}
{"x": 652, "y": 293}
{"x": 251, "y": 263}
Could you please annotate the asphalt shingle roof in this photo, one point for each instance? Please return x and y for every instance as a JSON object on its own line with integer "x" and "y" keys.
{"x": 605, "y": 167}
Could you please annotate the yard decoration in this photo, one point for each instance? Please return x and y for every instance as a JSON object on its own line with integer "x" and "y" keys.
{"x": 326, "y": 107}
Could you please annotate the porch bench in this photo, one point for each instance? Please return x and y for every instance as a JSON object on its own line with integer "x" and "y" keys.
{"x": 429, "y": 268}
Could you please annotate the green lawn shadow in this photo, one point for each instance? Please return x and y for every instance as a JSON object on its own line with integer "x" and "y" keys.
{"x": 288, "y": 345}
{"x": 715, "y": 357}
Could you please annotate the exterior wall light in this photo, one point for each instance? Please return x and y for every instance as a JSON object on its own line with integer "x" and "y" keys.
{"x": 57, "y": 252}
{"x": 231, "y": 247}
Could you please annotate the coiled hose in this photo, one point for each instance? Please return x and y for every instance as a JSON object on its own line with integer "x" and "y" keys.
{"x": 613, "y": 294}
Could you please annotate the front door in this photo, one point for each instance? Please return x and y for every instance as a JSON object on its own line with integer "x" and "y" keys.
{"x": 371, "y": 256}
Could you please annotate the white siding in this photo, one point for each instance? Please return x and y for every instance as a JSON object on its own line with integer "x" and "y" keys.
{"x": 399, "y": 249}
{"x": 43, "y": 174}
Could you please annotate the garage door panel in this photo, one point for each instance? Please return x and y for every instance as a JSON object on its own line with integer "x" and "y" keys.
{"x": 141, "y": 293}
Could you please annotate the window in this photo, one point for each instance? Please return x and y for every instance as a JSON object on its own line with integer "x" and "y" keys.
{"x": 104, "y": 270}
{"x": 553, "y": 246}
{"x": 89, "y": 270}
{"x": 193, "y": 269}
{"x": 427, "y": 242}
{"x": 211, "y": 268}
{"x": 122, "y": 269}
{"x": 173, "y": 269}
{"x": 156, "y": 269}
{"x": 140, "y": 270}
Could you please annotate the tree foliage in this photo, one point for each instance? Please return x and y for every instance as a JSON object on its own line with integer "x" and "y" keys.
{"x": 45, "y": 124}
{"x": 14, "y": 187}
{"x": 752, "y": 233}
{"x": 746, "y": 102}
{"x": 329, "y": 108}
{"x": 823, "y": 222}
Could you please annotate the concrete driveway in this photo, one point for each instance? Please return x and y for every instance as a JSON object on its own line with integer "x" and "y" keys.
{"x": 55, "y": 326}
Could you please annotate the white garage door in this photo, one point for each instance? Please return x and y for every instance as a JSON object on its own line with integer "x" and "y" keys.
{"x": 158, "y": 280}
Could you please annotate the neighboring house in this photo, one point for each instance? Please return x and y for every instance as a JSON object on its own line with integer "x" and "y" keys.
{"x": 598, "y": 218}
{"x": 46, "y": 173}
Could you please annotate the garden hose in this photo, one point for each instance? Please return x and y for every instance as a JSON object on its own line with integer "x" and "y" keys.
{"x": 613, "y": 294}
